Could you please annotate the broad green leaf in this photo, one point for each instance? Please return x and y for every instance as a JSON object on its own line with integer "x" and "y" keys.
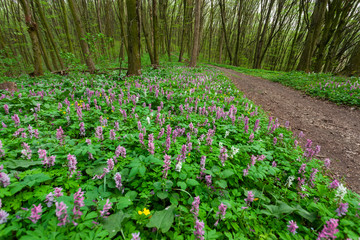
{"x": 162, "y": 220}
{"x": 113, "y": 223}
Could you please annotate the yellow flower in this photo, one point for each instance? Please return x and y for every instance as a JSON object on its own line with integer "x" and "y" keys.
{"x": 255, "y": 199}
{"x": 146, "y": 211}
{"x": 189, "y": 154}
{"x": 100, "y": 94}
{"x": 140, "y": 212}
{"x": 64, "y": 112}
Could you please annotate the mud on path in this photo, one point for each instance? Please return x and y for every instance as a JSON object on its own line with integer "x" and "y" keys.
{"x": 335, "y": 128}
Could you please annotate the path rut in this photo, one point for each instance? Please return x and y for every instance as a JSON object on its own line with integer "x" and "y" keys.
{"x": 335, "y": 128}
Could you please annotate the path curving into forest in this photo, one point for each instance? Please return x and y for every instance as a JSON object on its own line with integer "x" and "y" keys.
{"x": 335, "y": 128}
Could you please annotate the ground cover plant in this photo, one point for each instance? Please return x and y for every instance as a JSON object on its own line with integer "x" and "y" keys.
{"x": 340, "y": 90}
{"x": 177, "y": 153}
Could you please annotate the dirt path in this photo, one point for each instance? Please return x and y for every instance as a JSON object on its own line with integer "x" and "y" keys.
{"x": 335, "y": 128}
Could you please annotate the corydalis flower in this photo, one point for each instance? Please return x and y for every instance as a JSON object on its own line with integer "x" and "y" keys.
{"x": 72, "y": 164}
{"x": 2, "y": 152}
{"x": 151, "y": 144}
{"x": 135, "y": 236}
{"x": 195, "y": 207}
{"x": 340, "y": 192}
{"x": 250, "y": 197}
{"x": 221, "y": 213}
{"x": 60, "y": 135}
{"x": 223, "y": 155}
{"x": 26, "y": 152}
{"x": 16, "y": 120}
{"x": 99, "y": 133}
{"x": 61, "y": 213}
{"x": 4, "y": 179}
{"x": 166, "y": 166}
{"x": 112, "y": 134}
{"x": 329, "y": 230}
{"x": 6, "y": 108}
{"x": 199, "y": 230}
{"x": 334, "y": 184}
{"x": 292, "y": 227}
{"x": 82, "y": 129}
{"x": 110, "y": 163}
{"x": 3, "y": 216}
{"x": 36, "y": 213}
{"x": 105, "y": 212}
{"x": 118, "y": 183}
{"x": 342, "y": 210}
{"x": 78, "y": 203}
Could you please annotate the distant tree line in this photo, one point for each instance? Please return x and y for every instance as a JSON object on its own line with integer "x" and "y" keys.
{"x": 305, "y": 35}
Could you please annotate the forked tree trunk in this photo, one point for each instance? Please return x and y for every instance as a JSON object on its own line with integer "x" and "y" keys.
{"x": 155, "y": 33}
{"x": 32, "y": 29}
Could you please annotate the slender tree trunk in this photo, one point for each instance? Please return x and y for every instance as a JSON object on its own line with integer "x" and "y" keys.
{"x": 81, "y": 35}
{"x": 186, "y": 27}
{"x": 312, "y": 37}
{"x": 155, "y": 33}
{"x": 146, "y": 35}
{"x": 236, "y": 57}
{"x": 49, "y": 33}
{"x": 222, "y": 13}
{"x": 66, "y": 26}
{"x": 211, "y": 27}
{"x": 195, "y": 48}
{"x": 291, "y": 61}
{"x": 32, "y": 29}
{"x": 134, "y": 66}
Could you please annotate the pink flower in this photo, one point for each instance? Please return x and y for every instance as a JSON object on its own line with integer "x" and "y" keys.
{"x": 195, "y": 207}
{"x": 135, "y": 236}
{"x": 334, "y": 184}
{"x": 78, "y": 203}
{"x": 199, "y": 230}
{"x": 250, "y": 197}
{"x": 105, "y": 212}
{"x": 35, "y": 213}
{"x": 61, "y": 213}
{"x": 342, "y": 210}
{"x": 292, "y": 226}
{"x": 4, "y": 179}
{"x": 329, "y": 230}
{"x": 166, "y": 166}
{"x": 118, "y": 183}
{"x": 72, "y": 164}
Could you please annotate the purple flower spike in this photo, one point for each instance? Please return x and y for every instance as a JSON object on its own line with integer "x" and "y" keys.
{"x": 292, "y": 227}
{"x": 329, "y": 230}
{"x": 35, "y": 213}
{"x": 199, "y": 230}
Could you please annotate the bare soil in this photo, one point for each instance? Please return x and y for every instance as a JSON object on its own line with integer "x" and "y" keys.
{"x": 335, "y": 128}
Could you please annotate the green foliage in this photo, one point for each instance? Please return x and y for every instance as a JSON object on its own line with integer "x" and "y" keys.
{"x": 158, "y": 207}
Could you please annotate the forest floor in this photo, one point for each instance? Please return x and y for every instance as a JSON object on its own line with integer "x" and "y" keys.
{"x": 335, "y": 128}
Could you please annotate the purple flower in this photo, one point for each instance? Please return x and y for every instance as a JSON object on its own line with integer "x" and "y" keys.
{"x": 118, "y": 183}
{"x": 135, "y": 236}
{"x": 199, "y": 230}
{"x": 275, "y": 141}
{"x": 61, "y": 213}
{"x": 99, "y": 133}
{"x": 302, "y": 169}
{"x": 168, "y": 143}
{"x": 256, "y": 126}
{"x": 221, "y": 213}
{"x": 60, "y": 135}
{"x": 151, "y": 144}
{"x": 78, "y": 203}
{"x": 42, "y": 153}
{"x": 16, "y": 120}
{"x": 312, "y": 176}
{"x": 3, "y": 216}
{"x": 342, "y": 210}
{"x": 57, "y": 192}
{"x": 329, "y": 230}
{"x": 71, "y": 164}
{"x": 2, "y": 152}
{"x": 195, "y": 207}
{"x": 105, "y": 212}
{"x": 35, "y": 213}
{"x": 82, "y": 129}
{"x": 141, "y": 138}
{"x": 110, "y": 164}
{"x": 250, "y": 197}
{"x": 223, "y": 155}
{"x": 334, "y": 184}
{"x": 6, "y": 108}
{"x": 50, "y": 200}
{"x": 166, "y": 166}
{"x": 274, "y": 164}
{"x": 4, "y": 179}
{"x": 112, "y": 134}
{"x": 292, "y": 226}
{"x": 251, "y": 137}
{"x": 88, "y": 141}
{"x": 327, "y": 162}
{"x": 26, "y": 152}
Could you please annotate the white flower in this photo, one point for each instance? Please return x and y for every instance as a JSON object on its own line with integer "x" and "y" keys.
{"x": 226, "y": 134}
{"x": 234, "y": 151}
{"x": 178, "y": 166}
{"x": 136, "y": 99}
{"x": 199, "y": 142}
{"x": 221, "y": 145}
{"x": 289, "y": 181}
{"x": 148, "y": 120}
{"x": 340, "y": 191}
{"x": 145, "y": 92}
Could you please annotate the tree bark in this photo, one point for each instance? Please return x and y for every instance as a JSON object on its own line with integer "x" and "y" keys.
{"x": 222, "y": 13}
{"x": 155, "y": 33}
{"x": 195, "y": 48}
{"x": 80, "y": 32}
{"x": 66, "y": 26}
{"x": 133, "y": 23}
{"x": 312, "y": 37}
{"x": 32, "y": 29}
{"x": 353, "y": 66}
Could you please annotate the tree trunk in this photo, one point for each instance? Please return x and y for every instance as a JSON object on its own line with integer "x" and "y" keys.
{"x": 236, "y": 57}
{"x": 155, "y": 33}
{"x": 66, "y": 26}
{"x": 312, "y": 36}
{"x": 353, "y": 66}
{"x": 147, "y": 37}
{"x": 222, "y": 13}
{"x": 186, "y": 27}
{"x": 134, "y": 61}
{"x": 195, "y": 48}
{"x": 32, "y": 29}
{"x": 211, "y": 28}
{"x": 49, "y": 33}
{"x": 80, "y": 32}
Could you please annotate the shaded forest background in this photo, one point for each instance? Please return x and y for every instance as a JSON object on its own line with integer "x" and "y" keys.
{"x": 286, "y": 35}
